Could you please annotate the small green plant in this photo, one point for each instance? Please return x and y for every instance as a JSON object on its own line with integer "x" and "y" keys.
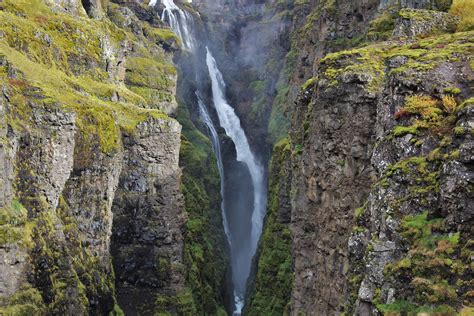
{"x": 423, "y": 105}
{"x": 449, "y": 104}
{"x": 452, "y": 91}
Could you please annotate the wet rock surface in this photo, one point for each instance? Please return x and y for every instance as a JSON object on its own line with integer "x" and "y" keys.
{"x": 147, "y": 240}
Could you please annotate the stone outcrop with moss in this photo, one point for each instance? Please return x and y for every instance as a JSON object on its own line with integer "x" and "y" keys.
{"x": 269, "y": 291}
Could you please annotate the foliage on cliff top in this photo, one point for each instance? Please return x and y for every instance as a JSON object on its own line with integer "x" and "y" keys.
{"x": 369, "y": 61}
{"x": 64, "y": 57}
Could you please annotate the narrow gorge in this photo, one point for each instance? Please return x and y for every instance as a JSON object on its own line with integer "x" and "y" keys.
{"x": 236, "y": 157}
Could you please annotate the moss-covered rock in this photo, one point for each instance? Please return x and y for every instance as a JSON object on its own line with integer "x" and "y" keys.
{"x": 67, "y": 110}
{"x": 204, "y": 238}
{"x": 272, "y": 283}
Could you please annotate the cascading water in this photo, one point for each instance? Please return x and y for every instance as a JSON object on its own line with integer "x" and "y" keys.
{"x": 178, "y": 20}
{"x": 216, "y": 147}
{"x": 242, "y": 248}
{"x": 231, "y": 124}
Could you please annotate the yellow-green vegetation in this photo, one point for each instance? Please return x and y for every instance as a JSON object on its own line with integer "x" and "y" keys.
{"x": 381, "y": 28}
{"x": 14, "y": 225}
{"x": 27, "y": 301}
{"x": 435, "y": 270}
{"x": 430, "y": 52}
{"x": 425, "y": 177}
{"x": 464, "y": 9}
{"x": 401, "y": 307}
{"x": 72, "y": 64}
{"x": 180, "y": 304}
{"x": 437, "y": 263}
{"x": 66, "y": 276}
{"x": 274, "y": 274}
{"x": 61, "y": 58}
{"x": 360, "y": 211}
{"x": 204, "y": 237}
{"x": 309, "y": 83}
{"x": 370, "y": 60}
{"x": 366, "y": 62}
{"x": 427, "y": 114}
{"x": 164, "y": 36}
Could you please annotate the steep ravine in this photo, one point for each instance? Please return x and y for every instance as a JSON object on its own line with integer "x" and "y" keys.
{"x": 111, "y": 197}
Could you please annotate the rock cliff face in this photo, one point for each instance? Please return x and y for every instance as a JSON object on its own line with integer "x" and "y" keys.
{"x": 373, "y": 223}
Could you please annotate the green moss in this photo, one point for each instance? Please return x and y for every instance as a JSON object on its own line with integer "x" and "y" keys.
{"x": 411, "y": 309}
{"x": 162, "y": 35}
{"x": 148, "y": 72}
{"x": 257, "y": 87}
{"x": 57, "y": 61}
{"x": 427, "y": 114}
{"x": 366, "y": 62}
{"x": 27, "y": 301}
{"x": 309, "y": 83}
{"x": 459, "y": 131}
{"x": 68, "y": 69}
{"x": 274, "y": 275}
{"x": 382, "y": 27}
{"x": 14, "y": 225}
{"x": 360, "y": 211}
{"x": 117, "y": 311}
{"x": 204, "y": 236}
{"x": 432, "y": 265}
{"x": 453, "y": 91}
{"x": 399, "y": 131}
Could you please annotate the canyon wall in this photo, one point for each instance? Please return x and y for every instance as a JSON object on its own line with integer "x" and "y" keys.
{"x": 378, "y": 151}
{"x": 110, "y": 193}
{"x": 101, "y": 207}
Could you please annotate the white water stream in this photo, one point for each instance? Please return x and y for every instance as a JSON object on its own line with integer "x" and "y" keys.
{"x": 181, "y": 23}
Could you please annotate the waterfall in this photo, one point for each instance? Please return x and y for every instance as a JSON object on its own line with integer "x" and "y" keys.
{"x": 216, "y": 147}
{"x": 181, "y": 23}
{"x": 231, "y": 124}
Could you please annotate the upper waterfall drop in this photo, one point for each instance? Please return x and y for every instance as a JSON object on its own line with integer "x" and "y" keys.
{"x": 179, "y": 21}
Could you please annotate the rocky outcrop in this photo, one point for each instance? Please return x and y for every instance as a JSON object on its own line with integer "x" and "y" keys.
{"x": 418, "y": 22}
{"x": 147, "y": 241}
